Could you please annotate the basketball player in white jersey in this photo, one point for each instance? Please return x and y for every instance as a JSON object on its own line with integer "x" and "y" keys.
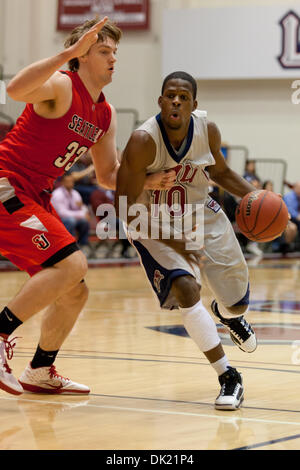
{"x": 181, "y": 138}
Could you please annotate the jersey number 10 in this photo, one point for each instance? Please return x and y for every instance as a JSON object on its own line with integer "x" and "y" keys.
{"x": 175, "y": 200}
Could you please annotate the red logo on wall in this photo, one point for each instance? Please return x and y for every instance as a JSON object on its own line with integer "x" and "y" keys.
{"x": 128, "y": 14}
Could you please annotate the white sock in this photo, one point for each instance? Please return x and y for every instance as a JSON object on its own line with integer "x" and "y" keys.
{"x": 200, "y": 326}
{"x": 221, "y": 365}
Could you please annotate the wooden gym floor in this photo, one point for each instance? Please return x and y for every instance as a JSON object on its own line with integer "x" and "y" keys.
{"x": 150, "y": 386}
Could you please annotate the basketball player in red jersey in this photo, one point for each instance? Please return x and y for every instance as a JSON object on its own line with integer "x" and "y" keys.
{"x": 66, "y": 114}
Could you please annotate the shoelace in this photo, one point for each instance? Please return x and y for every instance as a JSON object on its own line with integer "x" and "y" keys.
{"x": 239, "y": 327}
{"x": 228, "y": 322}
{"x": 229, "y": 389}
{"x": 53, "y": 373}
{"x": 230, "y": 383}
{"x": 246, "y": 325}
{"x": 7, "y": 347}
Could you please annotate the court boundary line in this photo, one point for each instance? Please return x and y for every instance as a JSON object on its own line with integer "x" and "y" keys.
{"x": 109, "y": 358}
{"x": 163, "y": 412}
{"x": 189, "y": 402}
{"x": 273, "y": 441}
{"x": 27, "y": 350}
{"x": 159, "y": 361}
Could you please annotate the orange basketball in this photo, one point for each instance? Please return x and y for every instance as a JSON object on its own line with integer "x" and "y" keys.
{"x": 262, "y": 216}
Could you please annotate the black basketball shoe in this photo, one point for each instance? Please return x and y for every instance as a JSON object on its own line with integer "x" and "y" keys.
{"x": 240, "y": 330}
{"x": 232, "y": 391}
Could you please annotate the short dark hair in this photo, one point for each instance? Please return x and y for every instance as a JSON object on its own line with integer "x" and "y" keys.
{"x": 183, "y": 76}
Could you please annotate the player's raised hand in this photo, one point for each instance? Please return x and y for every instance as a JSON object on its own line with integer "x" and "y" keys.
{"x": 82, "y": 46}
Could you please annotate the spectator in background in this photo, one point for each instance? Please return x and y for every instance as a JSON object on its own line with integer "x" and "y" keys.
{"x": 94, "y": 195}
{"x": 84, "y": 177}
{"x": 73, "y": 213}
{"x": 292, "y": 200}
{"x": 250, "y": 174}
{"x": 283, "y": 243}
{"x": 85, "y": 182}
{"x": 288, "y": 236}
{"x": 268, "y": 185}
{"x": 255, "y": 182}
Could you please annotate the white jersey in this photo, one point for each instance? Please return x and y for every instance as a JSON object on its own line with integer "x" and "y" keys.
{"x": 189, "y": 162}
{"x": 225, "y": 269}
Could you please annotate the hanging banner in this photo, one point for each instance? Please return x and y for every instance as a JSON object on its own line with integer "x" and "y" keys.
{"x": 233, "y": 42}
{"x": 128, "y": 14}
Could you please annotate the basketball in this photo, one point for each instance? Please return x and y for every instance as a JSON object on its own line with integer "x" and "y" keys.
{"x": 262, "y": 216}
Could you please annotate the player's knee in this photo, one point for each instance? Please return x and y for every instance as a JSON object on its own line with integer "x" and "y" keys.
{"x": 77, "y": 295}
{"x": 80, "y": 267}
{"x": 242, "y": 306}
{"x": 186, "y": 291}
{"x": 82, "y": 292}
{"x": 74, "y": 267}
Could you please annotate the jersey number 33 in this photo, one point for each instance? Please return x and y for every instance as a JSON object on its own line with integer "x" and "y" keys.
{"x": 73, "y": 149}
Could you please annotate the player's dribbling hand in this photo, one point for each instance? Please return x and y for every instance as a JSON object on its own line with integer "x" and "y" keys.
{"x": 82, "y": 46}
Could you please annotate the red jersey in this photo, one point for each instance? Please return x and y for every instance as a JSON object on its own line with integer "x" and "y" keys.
{"x": 41, "y": 149}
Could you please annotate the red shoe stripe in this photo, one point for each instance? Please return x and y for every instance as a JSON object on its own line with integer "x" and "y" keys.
{"x": 9, "y": 389}
{"x": 36, "y": 389}
{"x": 50, "y": 391}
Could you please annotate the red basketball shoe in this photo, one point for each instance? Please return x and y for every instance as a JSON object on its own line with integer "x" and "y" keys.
{"x": 47, "y": 380}
{"x": 8, "y": 382}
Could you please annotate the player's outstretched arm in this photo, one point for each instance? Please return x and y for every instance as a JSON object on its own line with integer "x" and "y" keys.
{"x": 105, "y": 156}
{"x": 38, "y": 82}
{"x": 220, "y": 172}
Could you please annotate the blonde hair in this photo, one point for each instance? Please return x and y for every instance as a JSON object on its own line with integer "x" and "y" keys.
{"x": 110, "y": 30}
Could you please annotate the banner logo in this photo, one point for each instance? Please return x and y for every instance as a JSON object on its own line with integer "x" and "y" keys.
{"x": 290, "y": 52}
